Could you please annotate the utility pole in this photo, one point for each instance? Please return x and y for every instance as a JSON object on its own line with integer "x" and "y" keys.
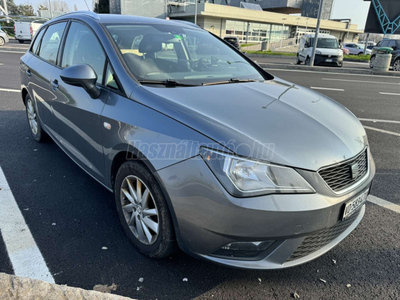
{"x": 51, "y": 12}
{"x": 316, "y": 34}
{"x": 195, "y": 11}
{"x": 5, "y": 10}
{"x": 366, "y": 43}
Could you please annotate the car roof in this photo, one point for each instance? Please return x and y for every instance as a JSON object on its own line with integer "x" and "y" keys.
{"x": 116, "y": 18}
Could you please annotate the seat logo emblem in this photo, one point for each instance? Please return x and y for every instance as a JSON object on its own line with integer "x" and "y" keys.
{"x": 355, "y": 170}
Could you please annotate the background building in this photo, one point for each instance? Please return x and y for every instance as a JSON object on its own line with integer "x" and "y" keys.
{"x": 310, "y": 9}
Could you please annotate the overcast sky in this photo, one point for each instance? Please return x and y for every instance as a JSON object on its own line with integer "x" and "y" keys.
{"x": 356, "y": 10}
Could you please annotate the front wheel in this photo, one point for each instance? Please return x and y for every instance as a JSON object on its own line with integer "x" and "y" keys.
{"x": 21, "y": 41}
{"x": 2, "y": 41}
{"x": 298, "y": 61}
{"x": 143, "y": 210}
{"x": 307, "y": 62}
{"x": 396, "y": 65}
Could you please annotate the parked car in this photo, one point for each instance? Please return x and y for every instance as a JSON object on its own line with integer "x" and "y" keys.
{"x": 395, "y": 45}
{"x": 328, "y": 51}
{"x": 356, "y": 49}
{"x": 233, "y": 40}
{"x": 204, "y": 150}
{"x": 25, "y": 31}
{"x": 3, "y": 38}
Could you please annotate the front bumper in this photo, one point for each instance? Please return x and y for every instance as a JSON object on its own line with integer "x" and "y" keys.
{"x": 328, "y": 60}
{"x": 208, "y": 218}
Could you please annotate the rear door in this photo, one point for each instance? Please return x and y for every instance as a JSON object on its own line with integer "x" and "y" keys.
{"x": 22, "y": 30}
{"x": 76, "y": 115}
{"x": 40, "y": 67}
{"x": 392, "y": 44}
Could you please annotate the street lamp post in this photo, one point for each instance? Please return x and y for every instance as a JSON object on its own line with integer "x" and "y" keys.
{"x": 283, "y": 25}
{"x": 195, "y": 11}
{"x": 316, "y": 33}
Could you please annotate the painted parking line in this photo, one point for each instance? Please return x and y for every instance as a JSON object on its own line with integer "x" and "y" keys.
{"x": 361, "y": 81}
{"x": 24, "y": 254}
{"x": 330, "y": 73}
{"x": 383, "y": 131}
{"x": 326, "y": 89}
{"x": 379, "y": 121}
{"x": 384, "y": 203}
{"x": 390, "y": 94}
{"x": 9, "y": 90}
{"x": 20, "y": 52}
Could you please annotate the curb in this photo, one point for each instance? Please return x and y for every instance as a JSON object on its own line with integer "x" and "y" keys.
{"x": 328, "y": 69}
{"x": 20, "y": 288}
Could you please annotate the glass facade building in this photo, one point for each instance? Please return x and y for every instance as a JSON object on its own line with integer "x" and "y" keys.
{"x": 256, "y": 32}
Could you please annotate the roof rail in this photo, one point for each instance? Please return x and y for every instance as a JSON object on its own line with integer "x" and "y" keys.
{"x": 82, "y": 12}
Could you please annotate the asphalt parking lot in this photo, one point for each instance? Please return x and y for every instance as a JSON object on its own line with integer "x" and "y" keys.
{"x": 74, "y": 223}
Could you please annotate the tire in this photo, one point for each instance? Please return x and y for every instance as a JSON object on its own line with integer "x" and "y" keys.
{"x": 161, "y": 243}
{"x": 21, "y": 41}
{"x": 36, "y": 129}
{"x": 396, "y": 65}
{"x": 2, "y": 41}
{"x": 307, "y": 62}
{"x": 371, "y": 62}
{"x": 298, "y": 61}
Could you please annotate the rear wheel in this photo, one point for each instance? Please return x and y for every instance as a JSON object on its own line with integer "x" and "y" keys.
{"x": 396, "y": 65}
{"x": 2, "y": 41}
{"x": 143, "y": 210}
{"x": 21, "y": 41}
{"x": 36, "y": 129}
{"x": 371, "y": 62}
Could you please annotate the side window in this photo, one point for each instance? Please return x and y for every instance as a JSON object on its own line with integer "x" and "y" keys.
{"x": 110, "y": 78}
{"x": 379, "y": 44}
{"x": 51, "y": 42}
{"x": 385, "y": 43}
{"x": 36, "y": 43}
{"x": 83, "y": 47}
{"x": 392, "y": 44}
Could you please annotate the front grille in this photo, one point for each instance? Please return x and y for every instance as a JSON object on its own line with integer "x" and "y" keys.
{"x": 322, "y": 238}
{"x": 342, "y": 176}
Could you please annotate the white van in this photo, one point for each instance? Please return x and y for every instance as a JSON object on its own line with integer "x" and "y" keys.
{"x": 328, "y": 51}
{"x": 25, "y": 30}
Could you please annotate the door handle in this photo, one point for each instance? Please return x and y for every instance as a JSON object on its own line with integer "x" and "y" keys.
{"x": 28, "y": 72}
{"x": 54, "y": 83}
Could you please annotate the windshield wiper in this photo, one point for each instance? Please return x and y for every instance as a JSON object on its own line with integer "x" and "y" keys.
{"x": 167, "y": 82}
{"x": 232, "y": 80}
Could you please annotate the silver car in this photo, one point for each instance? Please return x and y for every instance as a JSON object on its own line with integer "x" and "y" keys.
{"x": 3, "y": 38}
{"x": 202, "y": 148}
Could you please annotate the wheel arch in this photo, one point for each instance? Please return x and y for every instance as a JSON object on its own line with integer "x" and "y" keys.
{"x": 129, "y": 153}
{"x": 24, "y": 93}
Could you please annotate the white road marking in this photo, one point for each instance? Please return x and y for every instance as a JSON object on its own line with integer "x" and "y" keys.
{"x": 9, "y": 90}
{"x": 24, "y": 254}
{"x": 391, "y": 94}
{"x": 381, "y": 130}
{"x": 20, "y": 52}
{"x": 332, "y": 73}
{"x": 360, "y": 81}
{"x": 384, "y": 203}
{"x": 379, "y": 121}
{"x": 327, "y": 89}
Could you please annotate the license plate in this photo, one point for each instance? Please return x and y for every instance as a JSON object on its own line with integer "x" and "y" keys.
{"x": 328, "y": 60}
{"x": 354, "y": 204}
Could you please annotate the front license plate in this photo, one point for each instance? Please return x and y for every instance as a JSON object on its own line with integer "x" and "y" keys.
{"x": 354, "y": 204}
{"x": 328, "y": 60}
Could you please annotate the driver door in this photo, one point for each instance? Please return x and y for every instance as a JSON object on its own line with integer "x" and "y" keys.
{"x": 76, "y": 115}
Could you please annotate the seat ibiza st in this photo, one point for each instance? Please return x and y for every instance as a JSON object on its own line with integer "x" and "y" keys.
{"x": 202, "y": 148}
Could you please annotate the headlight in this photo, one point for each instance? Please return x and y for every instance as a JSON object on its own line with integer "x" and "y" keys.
{"x": 243, "y": 177}
{"x": 318, "y": 52}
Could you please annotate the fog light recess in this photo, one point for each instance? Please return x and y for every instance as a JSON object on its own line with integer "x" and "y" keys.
{"x": 243, "y": 250}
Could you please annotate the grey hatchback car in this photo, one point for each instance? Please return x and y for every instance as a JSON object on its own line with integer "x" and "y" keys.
{"x": 202, "y": 148}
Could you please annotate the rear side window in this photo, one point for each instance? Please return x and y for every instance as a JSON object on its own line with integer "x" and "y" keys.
{"x": 384, "y": 43}
{"x": 83, "y": 47}
{"x": 51, "y": 42}
{"x": 392, "y": 44}
{"x": 36, "y": 43}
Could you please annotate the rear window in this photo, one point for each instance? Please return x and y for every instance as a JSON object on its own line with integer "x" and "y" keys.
{"x": 232, "y": 40}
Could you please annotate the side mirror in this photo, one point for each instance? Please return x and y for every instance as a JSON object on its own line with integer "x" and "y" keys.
{"x": 81, "y": 75}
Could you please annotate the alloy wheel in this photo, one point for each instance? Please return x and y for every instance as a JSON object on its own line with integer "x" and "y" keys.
{"x": 396, "y": 65}
{"x": 140, "y": 210}
{"x": 32, "y": 116}
{"x": 1, "y": 41}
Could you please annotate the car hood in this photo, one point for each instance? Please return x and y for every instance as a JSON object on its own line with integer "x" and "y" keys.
{"x": 274, "y": 121}
{"x": 327, "y": 51}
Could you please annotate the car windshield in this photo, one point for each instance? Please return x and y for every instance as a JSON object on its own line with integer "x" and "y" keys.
{"x": 326, "y": 43}
{"x": 175, "y": 54}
